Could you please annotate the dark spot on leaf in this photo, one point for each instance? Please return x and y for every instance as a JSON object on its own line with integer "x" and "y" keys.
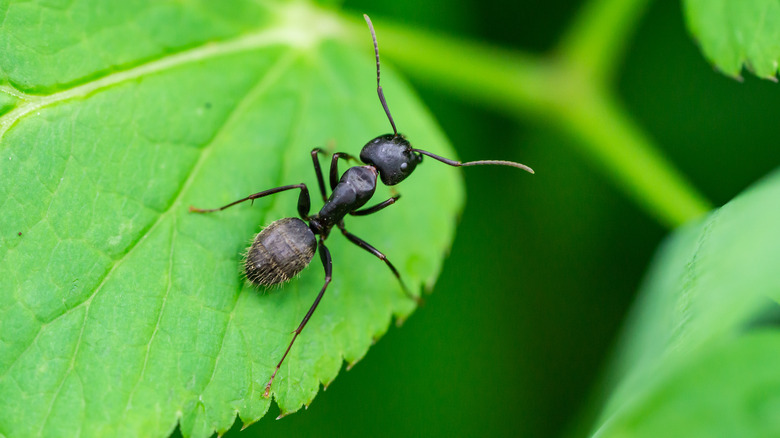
{"x": 767, "y": 317}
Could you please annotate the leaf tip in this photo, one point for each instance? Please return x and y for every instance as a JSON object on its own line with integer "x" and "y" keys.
{"x": 245, "y": 425}
{"x": 736, "y": 75}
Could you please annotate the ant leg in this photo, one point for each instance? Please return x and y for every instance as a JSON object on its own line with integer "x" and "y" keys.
{"x": 326, "y": 263}
{"x": 318, "y": 170}
{"x": 304, "y": 202}
{"x": 334, "y": 167}
{"x": 375, "y": 208}
{"x": 365, "y": 245}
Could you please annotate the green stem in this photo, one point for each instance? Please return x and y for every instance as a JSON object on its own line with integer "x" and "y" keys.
{"x": 558, "y": 91}
{"x": 599, "y": 34}
{"x": 609, "y": 136}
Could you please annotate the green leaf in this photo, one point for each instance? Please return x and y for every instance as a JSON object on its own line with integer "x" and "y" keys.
{"x": 121, "y": 313}
{"x": 729, "y": 390}
{"x": 691, "y": 360}
{"x": 733, "y": 34}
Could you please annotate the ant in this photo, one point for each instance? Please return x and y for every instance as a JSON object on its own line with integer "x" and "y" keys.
{"x": 284, "y": 248}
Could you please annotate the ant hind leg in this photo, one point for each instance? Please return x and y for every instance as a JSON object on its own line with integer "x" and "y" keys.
{"x": 328, "y": 265}
{"x": 365, "y": 245}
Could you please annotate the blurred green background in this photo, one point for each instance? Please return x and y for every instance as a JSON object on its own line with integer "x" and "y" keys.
{"x": 523, "y": 318}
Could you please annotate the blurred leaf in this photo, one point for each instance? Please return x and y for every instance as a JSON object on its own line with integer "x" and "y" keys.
{"x": 689, "y": 349}
{"x": 120, "y": 312}
{"x": 729, "y": 390}
{"x": 737, "y": 33}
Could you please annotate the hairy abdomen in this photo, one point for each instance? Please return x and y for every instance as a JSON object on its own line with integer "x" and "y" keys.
{"x": 280, "y": 252}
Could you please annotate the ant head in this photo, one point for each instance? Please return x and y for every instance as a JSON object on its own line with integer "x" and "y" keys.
{"x": 392, "y": 156}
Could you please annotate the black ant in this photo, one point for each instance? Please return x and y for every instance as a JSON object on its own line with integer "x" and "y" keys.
{"x": 281, "y": 250}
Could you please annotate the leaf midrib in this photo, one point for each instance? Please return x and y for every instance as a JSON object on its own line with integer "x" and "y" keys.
{"x": 294, "y": 34}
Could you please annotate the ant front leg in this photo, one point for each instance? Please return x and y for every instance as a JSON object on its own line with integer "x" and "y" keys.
{"x": 318, "y": 170}
{"x": 365, "y": 245}
{"x": 334, "y": 167}
{"x": 304, "y": 201}
{"x": 328, "y": 265}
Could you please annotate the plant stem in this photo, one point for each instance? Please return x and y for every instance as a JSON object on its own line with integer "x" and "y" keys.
{"x": 609, "y": 136}
{"x": 599, "y": 34}
{"x": 559, "y": 91}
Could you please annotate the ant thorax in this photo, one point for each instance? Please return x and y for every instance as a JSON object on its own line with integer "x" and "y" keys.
{"x": 354, "y": 189}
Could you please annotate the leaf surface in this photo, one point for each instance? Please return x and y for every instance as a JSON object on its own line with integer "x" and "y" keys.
{"x": 733, "y": 34}
{"x": 121, "y": 313}
{"x": 702, "y": 349}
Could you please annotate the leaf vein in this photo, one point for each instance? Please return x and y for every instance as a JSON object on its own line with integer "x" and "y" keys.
{"x": 67, "y": 373}
{"x": 159, "y": 318}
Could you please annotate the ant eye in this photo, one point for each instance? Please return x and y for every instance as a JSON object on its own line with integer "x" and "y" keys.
{"x": 404, "y": 166}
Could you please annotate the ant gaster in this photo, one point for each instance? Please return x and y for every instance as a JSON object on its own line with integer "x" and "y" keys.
{"x": 284, "y": 248}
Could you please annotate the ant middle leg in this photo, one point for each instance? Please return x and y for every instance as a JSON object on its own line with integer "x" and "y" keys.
{"x": 304, "y": 201}
{"x": 376, "y": 208}
{"x": 367, "y": 246}
{"x": 328, "y": 265}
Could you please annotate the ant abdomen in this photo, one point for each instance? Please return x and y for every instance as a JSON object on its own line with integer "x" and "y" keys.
{"x": 280, "y": 252}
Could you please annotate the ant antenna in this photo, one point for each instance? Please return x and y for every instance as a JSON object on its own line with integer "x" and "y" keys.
{"x": 379, "y": 87}
{"x": 434, "y": 156}
{"x": 474, "y": 163}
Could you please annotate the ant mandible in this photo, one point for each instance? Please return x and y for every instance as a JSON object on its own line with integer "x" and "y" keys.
{"x": 284, "y": 248}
